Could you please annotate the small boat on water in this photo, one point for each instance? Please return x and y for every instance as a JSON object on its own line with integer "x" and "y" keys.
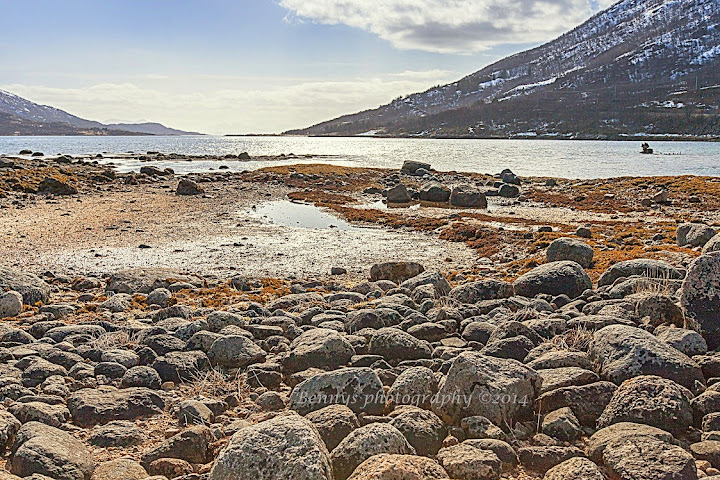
{"x": 646, "y": 149}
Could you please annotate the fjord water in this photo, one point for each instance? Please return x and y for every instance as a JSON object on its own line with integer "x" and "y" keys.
{"x": 555, "y": 158}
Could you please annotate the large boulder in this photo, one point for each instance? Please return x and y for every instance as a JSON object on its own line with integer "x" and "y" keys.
{"x": 700, "y": 296}
{"x": 287, "y": 446}
{"x": 621, "y": 432}
{"x": 488, "y": 289}
{"x": 412, "y": 166}
{"x": 319, "y": 348}
{"x": 577, "y": 468}
{"x": 387, "y": 466}
{"x": 441, "y": 285}
{"x": 334, "y": 423}
{"x": 623, "y": 352}
{"x": 192, "y": 445}
{"x": 119, "y": 469}
{"x": 652, "y": 401}
{"x": 398, "y": 194}
{"x": 396, "y": 272}
{"x": 476, "y": 385}
{"x": 694, "y": 234}
{"x": 189, "y": 187}
{"x": 570, "y": 249}
{"x": 365, "y": 442}
{"x": 434, "y": 192}
{"x": 94, "y": 406}
{"x": 713, "y": 245}
{"x": 466, "y": 462}
{"x": 640, "y": 266}
{"x": 235, "y": 351}
{"x": 586, "y": 401}
{"x": 394, "y": 345}
{"x": 360, "y": 389}
{"x": 556, "y": 278}
{"x": 467, "y": 197}
{"x": 32, "y": 288}
{"x": 423, "y": 430}
{"x": 51, "y": 452}
{"x": 647, "y": 457}
{"x": 414, "y": 386}
{"x": 11, "y": 304}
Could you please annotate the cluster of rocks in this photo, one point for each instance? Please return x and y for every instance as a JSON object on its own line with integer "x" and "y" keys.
{"x": 434, "y": 190}
{"x": 403, "y": 376}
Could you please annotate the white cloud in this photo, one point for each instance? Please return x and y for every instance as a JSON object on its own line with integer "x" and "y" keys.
{"x": 256, "y": 109}
{"x": 451, "y": 26}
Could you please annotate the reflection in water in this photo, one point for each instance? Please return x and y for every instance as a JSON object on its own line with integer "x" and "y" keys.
{"x": 302, "y": 215}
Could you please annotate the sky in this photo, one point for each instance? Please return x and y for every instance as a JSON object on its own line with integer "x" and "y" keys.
{"x": 258, "y": 66}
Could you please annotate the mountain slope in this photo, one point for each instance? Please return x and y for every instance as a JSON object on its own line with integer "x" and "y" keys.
{"x": 26, "y": 116}
{"x": 641, "y": 66}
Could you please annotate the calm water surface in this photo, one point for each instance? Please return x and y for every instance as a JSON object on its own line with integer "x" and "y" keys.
{"x": 567, "y": 159}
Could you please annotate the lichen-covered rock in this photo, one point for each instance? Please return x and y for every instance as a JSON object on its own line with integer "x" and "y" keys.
{"x": 414, "y": 386}
{"x": 394, "y": 344}
{"x": 398, "y": 467}
{"x": 700, "y": 296}
{"x": 11, "y": 304}
{"x": 586, "y": 401}
{"x": 333, "y": 423}
{"x": 488, "y": 289}
{"x": 570, "y": 249}
{"x": 465, "y": 462}
{"x": 693, "y": 234}
{"x": 287, "y": 446}
{"x": 652, "y": 401}
{"x": 93, "y": 406}
{"x": 689, "y": 342}
{"x": 556, "y": 278}
{"x": 360, "y": 389}
{"x": 235, "y": 351}
{"x": 623, "y": 352}
{"x": 498, "y": 389}
{"x": 647, "y": 457}
{"x": 620, "y": 432}
{"x": 422, "y": 429}
{"x": 396, "y": 272}
{"x": 577, "y": 468}
{"x": 318, "y": 348}
{"x": 32, "y": 288}
{"x": 365, "y": 442}
{"x": 51, "y": 452}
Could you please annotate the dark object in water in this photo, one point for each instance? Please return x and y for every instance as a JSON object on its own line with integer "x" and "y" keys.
{"x": 646, "y": 149}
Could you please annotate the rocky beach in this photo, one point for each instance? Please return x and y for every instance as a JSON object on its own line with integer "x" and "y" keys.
{"x": 324, "y": 322}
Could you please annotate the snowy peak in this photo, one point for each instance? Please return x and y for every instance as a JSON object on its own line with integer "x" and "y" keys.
{"x": 619, "y": 66}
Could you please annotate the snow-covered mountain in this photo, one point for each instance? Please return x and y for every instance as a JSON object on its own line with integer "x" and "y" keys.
{"x": 641, "y": 66}
{"x": 23, "y": 117}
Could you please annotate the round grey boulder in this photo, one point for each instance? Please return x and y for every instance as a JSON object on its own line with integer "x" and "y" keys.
{"x": 650, "y": 400}
{"x": 570, "y": 249}
{"x": 287, "y": 446}
{"x": 700, "y": 296}
{"x": 556, "y": 278}
{"x": 363, "y": 443}
{"x": 623, "y": 352}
